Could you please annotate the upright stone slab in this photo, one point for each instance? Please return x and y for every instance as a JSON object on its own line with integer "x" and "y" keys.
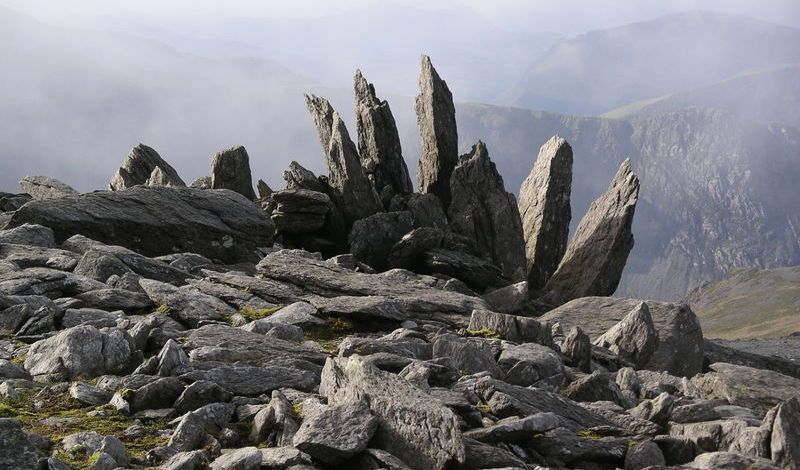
{"x": 482, "y": 210}
{"x": 378, "y": 140}
{"x": 596, "y": 256}
{"x": 350, "y": 189}
{"x": 138, "y": 166}
{"x": 230, "y": 169}
{"x": 436, "y": 116}
{"x": 544, "y": 206}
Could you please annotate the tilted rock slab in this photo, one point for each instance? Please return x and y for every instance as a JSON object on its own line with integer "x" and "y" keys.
{"x": 597, "y": 254}
{"x": 138, "y": 166}
{"x": 634, "y": 337}
{"x": 230, "y": 169}
{"x": 378, "y": 140}
{"x": 411, "y": 423}
{"x": 436, "y": 117}
{"x": 350, "y": 188}
{"x": 44, "y": 187}
{"x": 482, "y": 210}
{"x": 544, "y": 206}
{"x": 156, "y": 221}
{"x": 680, "y": 345}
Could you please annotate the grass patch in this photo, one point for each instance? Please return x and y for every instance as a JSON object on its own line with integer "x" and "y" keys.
{"x": 251, "y": 314}
{"x": 331, "y": 333}
{"x": 587, "y": 434}
{"x": 297, "y": 410}
{"x": 162, "y": 309}
{"x": 18, "y": 360}
{"x": 483, "y": 333}
{"x": 484, "y": 408}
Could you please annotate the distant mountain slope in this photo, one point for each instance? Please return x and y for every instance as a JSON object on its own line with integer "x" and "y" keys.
{"x": 750, "y": 303}
{"x": 601, "y": 70}
{"x": 770, "y": 94}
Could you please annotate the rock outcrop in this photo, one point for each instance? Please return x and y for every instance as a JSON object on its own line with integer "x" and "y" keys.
{"x": 157, "y": 221}
{"x": 44, "y": 187}
{"x": 350, "y": 188}
{"x": 378, "y": 141}
{"x": 544, "y": 207}
{"x": 139, "y": 165}
{"x": 436, "y": 117}
{"x": 595, "y": 258}
{"x": 230, "y": 169}
{"x": 483, "y": 211}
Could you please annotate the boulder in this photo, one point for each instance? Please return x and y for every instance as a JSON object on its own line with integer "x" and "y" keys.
{"x": 350, "y": 188}
{"x": 159, "y": 178}
{"x": 509, "y": 299}
{"x": 578, "y": 349}
{"x": 44, "y": 187}
{"x": 680, "y": 338}
{"x": 297, "y": 177}
{"x": 138, "y": 166}
{"x": 186, "y": 304}
{"x": 730, "y": 461}
{"x": 425, "y": 208}
{"x": 157, "y": 221}
{"x": 512, "y": 327}
{"x": 474, "y": 271}
{"x": 404, "y": 413}
{"x": 378, "y": 140}
{"x": 436, "y": 117}
{"x": 515, "y": 429}
{"x": 785, "y": 437}
{"x": 16, "y": 448}
{"x": 203, "y": 182}
{"x": 634, "y": 338}
{"x": 482, "y": 210}
{"x": 528, "y": 363}
{"x": 29, "y": 234}
{"x": 246, "y": 458}
{"x": 544, "y": 207}
{"x": 337, "y": 433}
{"x": 372, "y": 238}
{"x": 230, "y": 169}
{"x": 642, "y": 455}
{"x": 467, "y": 355}
{"x": 596, "y": 255}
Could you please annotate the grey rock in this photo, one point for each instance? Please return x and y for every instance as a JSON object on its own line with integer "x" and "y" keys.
{"x": 246, "y": 458}
{"x": 90, "y": 316}
{"x": 680, "y": 345}
{"x": 785, "y": 439}
{"x": 285, "y": 457}
{"x": 230, "y": 169}
{"x": 597, "y": 386}
{"x": 617, "y": 416}
{"x": 544, "y": 206}
{"x": 694, "y": 412}
{"x": 112, "y": 446}
{"x": 9, "y": 370}
{"x": 263, "y": 189}
{"x": 564, "y": 447}
{"x": 676, "y": 450}
{"x": 512, "y": 327}
{"x": 159, "y": 178}
{"x": 721, "y": 351}
{"x": 156, "y": 221}
{"x": 528, "y": 363}
{"x": 474, "y": 271}
{"x": 254, "y": 381}
{"x": 297, "y": 177}
{"x": 276, "y": 424}
{"x": 709, "y": 436}
{"x": 80, "y": 351}
{"x": 29, "y": 234}
{"x": 480, "y": 456}
{"x": 115, "y": 299}
{"x": 171, "y": 358}
{"x": 25, "y": 256}
{"x": 372, "y": 238}
{"x": 203, "y": 182}
{"x": 731, "y": 461}
{"x": 404, "y": 413}
{"x": 337, "y": 433}
{"x": 425, "y": 208}
{"x": 300, "y": 210}
{"x": 634, "y": 338}
{"x": 515, "y": 429}
{"x": 578, "y": 349}
{"x": 377, "y": 458}
{"x": 350, "y": 189}
{"x": 596, "y": 255}
{"x": 138, "y": 166}
{"x": 45, "y": 187}
{"x": 186, "y": 304}
{"x": 189, "y": 435}
{"x": 510, "y": 299}
{"x": 194, "y": 460}
{"x": 199, "y": 394}
{"x": 156, "y": 395}
{"x": 436, "y": 117}
{"x": 16, "y": 449}
{"x": 378, "y": 140}
{"x": 86, "y": 441}
{"x": 658, "y": 410}
{"x": 89, "y": 394}
{"x": 643, "y": 455}
{"x": 301, "y": 314}
{"x": 482, "y": 210}
{"x": 467, "y": 355}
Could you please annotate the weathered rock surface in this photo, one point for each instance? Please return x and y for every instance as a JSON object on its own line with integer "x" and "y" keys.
{"x": 138, "y": 166}
{"x": 350, "y": 188}
{"x": 680, "y": 345}
{"x": 337, "y": 433}
{"x": 512, "y": 327}
{"x": 596, "y": 255}
{"x": 372, "y": 238}
{"x": 482, "y": 210}
{"x": 156, "y": 221}
{"x": 378, "y": 140}
{"x": 16, "y": 449}
{"x": 230, "y": 169}
{"x": 436, "y": 117}
{"x": 29, "y": 234}
{"x": 300, "y": 210}
{"x": 403, "y": 411}
{"x": 785, "y": 439}
{"x": 44, "y": 187}
{"x": 544, "y": 207}
{"x": 634, "y": 338}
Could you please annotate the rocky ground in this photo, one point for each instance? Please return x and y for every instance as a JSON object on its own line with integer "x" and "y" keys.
{"x": 345, "y": 322}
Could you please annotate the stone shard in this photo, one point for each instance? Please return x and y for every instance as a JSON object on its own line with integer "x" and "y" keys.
{"x": 405, "y": 413}
{"x": 544, "y": 206}
{"x": 482, "y": 210}
{"x": 378, "y": 140}
{"x": 44, "y": 187}
{"x": 264, "y": 191}
{"x": 436, "y": 117}
{"x": 634, "y": 338}
{"x": 297, "y": 177}
{"x": 578, "y": 349}
{"x": 138, "y": 166}
{"x": 596, "y": 256}
{"x": 230, "y": 169}
{"x": 785, "y": 438}
{"x": 157, "y": 221}
{"x": 350, "y": 188}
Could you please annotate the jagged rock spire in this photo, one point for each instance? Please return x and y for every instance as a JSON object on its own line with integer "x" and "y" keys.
{"x": 378, "y": 140}
{"x": 139, "y": 165}
{"x": 436, "y": 116}
{"x": 230, "y": 169}
{"x": 350, "y": 188}
{"x": 482, "y": 210}
{"x": 544, "y": 205}
{"x": 596, "y": 256}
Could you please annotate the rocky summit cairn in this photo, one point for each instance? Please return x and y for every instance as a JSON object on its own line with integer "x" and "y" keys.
{"x": 350, "y": 188}
{"x": 436, "y": 116}
{"x": 44, "y": 187}
{"x": 378, "y": 141}
{"x": 482, "y": 210}
{"x": 597, "y": 254}
{"x": 230, "y": 169}
{"x": 138, "y": 167}
{"x": 544, "y": 206}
